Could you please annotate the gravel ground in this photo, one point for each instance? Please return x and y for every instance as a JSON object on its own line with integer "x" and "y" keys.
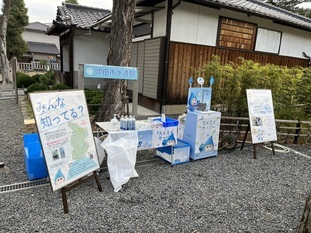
{"x": 229, "y": 193}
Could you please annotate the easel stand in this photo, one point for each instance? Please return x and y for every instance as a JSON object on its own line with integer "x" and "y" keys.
{"x": 71, "y": 186}
{"x": 254, "y": 145}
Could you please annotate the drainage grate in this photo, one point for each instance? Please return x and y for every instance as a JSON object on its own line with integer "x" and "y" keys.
{"x": 23, "y": 185}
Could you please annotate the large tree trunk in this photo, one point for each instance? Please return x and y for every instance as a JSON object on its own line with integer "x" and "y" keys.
{"x": 4, "y": 63}
{"x": 123, "y": 13}
{"x": 305, "y": 221}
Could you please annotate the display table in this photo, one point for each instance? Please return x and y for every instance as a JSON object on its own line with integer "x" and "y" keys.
{"x": 151, "y": 134}
{"x": 121, "y": 146}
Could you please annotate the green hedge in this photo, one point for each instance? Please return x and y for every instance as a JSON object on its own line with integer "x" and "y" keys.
{"x": 36, "y": 87}
{"x": 291, "y": 87}
{"x": 94, "y": 99}
{"x": 24, "y": 80}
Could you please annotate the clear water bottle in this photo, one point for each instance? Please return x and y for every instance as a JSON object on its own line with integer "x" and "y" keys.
{"x": 114, "y": 122}
{"x": 129, "y": 123}
{"x": 133, "y": 123}
{"x": 122, "y": 123}
{"x": 125, "y": 123}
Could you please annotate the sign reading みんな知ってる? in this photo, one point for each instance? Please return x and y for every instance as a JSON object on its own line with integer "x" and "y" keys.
{"x": 66, "y": 135}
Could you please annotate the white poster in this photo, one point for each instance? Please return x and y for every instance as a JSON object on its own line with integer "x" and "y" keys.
{"x": 66, "y": 135}
{"x": 261, "y": 116}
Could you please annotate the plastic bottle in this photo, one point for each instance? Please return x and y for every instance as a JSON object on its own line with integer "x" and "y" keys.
{"x": 133, "y": 123}
{"x": 125, "y": 123}
{"x": 114, "y": 122}
{"x": 163, "y": 117}
{"x": 129, "y": 123}
{"x": 163, "y": 114}
{"x": 122, "y": 123}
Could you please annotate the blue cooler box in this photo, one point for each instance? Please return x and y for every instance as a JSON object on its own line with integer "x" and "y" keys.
{"x": 176, "y": 154}
{"x": 34, "y": 160}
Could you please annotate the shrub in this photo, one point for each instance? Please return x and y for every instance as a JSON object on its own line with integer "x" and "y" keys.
{"x": 49, "y": 75}
{"x": 36, "y": 77}
{"x": 46, "y": 81}
{"x": 290, "y": 87}
{"x": 36, "y": 87}
{"x": 94, "y": 99}
{"x": 24, "y": 80}
{"x": 59, "y": 87}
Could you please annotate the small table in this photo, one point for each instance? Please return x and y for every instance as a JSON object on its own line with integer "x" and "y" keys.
{"x": 122, "y": 145}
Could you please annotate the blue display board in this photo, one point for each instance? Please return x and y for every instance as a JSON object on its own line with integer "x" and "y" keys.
{"x": 197, "y": 96}
{"x": 110, "y": 72}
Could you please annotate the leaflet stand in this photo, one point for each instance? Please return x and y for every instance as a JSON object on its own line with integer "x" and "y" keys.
{"x": 254, "y": 145}
{"x": 67, "y": 188}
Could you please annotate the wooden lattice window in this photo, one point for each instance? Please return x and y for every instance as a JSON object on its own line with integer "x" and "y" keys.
{"x": 236, "y": 34}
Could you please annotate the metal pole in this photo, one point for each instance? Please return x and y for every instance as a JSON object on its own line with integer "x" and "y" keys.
{"x": 14, "y": 67}
{"x": 297, "y": 133}
{"x": 81, "y": 77}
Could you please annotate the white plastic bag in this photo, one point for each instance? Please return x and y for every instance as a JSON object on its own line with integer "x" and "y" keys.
{"x": 121, "y": 148}
{"x": 100, "y": 150}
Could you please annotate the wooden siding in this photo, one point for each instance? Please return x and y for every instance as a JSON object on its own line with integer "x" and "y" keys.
{"x": 186, "y": 57}
{"x": 137, "y": 60}
{"x": 140, "y": 65}
{"x": 133, "y": 62}
{"x": 151, "y": 67}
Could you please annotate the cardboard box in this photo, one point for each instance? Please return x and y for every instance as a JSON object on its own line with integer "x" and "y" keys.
{"x": 30, "y": 126}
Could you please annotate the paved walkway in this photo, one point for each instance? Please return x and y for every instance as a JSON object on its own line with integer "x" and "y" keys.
{"x": 141, "y": 111}
{"x": 6, "y": 86}
{"x": 7, "y": 92}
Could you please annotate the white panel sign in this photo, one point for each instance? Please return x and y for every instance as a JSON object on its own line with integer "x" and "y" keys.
{"x": 66, "y": 135}
{"x": 261, "y": 116}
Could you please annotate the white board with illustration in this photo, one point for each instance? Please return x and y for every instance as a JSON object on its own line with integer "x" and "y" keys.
{"x": 261, "y": 115}
{"x": 66, "y": 135}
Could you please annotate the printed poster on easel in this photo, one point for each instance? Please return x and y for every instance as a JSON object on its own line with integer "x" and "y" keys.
{"x": 66, "y": 135}
{"x": 261, "y": 116}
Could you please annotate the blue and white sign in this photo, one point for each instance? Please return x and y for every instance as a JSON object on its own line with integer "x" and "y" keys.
{"x": 110, "y": 72}
{"x": 66, "y": 136}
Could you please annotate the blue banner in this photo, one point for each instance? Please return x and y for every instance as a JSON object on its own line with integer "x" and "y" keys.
{"x": 110, "y": 72}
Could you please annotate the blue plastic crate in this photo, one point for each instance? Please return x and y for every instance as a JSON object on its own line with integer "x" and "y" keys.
{"x": 168, "y": 122}
{"x": 176, "y": 154}
{"x": 34, "y": 160}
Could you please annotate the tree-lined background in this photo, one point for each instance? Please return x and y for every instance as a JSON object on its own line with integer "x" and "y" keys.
{"x": 291, "y": 87}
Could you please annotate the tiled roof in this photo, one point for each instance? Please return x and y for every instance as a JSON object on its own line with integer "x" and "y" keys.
{"x": 253, "y": 7}
{"x": 265, "y": 10}
{"x": 45, "y": 48}
{"x": 36, "y": 26}
{"x": 81, "y": 16}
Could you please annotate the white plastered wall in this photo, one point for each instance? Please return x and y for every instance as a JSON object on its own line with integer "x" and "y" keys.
{"x": 196, "y": 24}
{"x": 89, "y": 48}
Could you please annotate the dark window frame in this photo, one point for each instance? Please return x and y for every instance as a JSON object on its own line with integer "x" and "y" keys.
{"x": 226, "y": 38}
